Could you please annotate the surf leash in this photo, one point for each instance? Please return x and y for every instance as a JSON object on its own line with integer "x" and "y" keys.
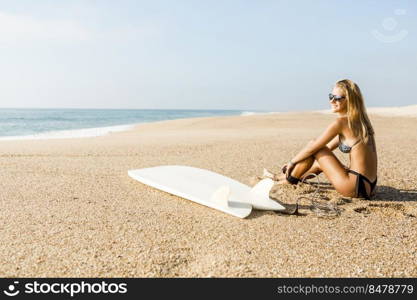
{"x": 320, "y": 208}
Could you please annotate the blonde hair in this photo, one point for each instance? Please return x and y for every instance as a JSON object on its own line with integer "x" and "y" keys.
{"x": 358, "y": 119}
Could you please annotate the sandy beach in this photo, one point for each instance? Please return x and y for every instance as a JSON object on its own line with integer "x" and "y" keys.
{"x": 68, "y": 208}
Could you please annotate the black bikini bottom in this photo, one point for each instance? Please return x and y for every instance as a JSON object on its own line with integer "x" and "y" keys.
{"x": 360, "y": 185}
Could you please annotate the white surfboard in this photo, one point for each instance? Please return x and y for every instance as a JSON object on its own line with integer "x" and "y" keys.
{"x": 209, "y": 188}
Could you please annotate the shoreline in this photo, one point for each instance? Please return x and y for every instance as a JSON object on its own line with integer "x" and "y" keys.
{"x": 402, "y": 111}
{"x": 103, "y": 130}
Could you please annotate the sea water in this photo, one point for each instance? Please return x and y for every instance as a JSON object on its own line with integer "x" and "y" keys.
{"x": 71, "y": 123}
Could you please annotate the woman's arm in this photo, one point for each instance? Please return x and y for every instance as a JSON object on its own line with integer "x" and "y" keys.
{"x": 327, "y": 137}
{"x": 333, "y": 143}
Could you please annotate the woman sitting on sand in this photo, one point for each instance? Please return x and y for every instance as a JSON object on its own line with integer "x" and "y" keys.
{"x": 352, "y": 133}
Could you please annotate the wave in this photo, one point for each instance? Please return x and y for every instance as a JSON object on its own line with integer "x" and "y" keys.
{"x": 248, "y": 113}
{"x": 73, "y": 133}
{"x": 251, "y": 113}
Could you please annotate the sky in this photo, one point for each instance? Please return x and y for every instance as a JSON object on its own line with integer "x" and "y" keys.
{"x": 195, "y": 54}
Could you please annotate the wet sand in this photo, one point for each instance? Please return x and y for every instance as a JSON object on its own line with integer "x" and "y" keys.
{"x": 68, "y": 208}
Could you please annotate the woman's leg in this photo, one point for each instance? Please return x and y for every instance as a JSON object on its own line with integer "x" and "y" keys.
{"x": 307, "y": 166}
{"x": 315, "y": 169}
{"x": 299, "y": 169}
{"x": 302, "y": 167}
{"x": 337, "y": 174}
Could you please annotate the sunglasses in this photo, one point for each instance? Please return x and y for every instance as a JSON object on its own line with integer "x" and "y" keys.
{"x": 336, "y": 98}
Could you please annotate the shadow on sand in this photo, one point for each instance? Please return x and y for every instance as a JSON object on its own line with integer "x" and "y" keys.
{"x": 383, "y": 193}
{"x": 388, "y": 193}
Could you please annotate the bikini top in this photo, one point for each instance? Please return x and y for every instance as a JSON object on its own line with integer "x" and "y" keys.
{"x": 345, "y": 148}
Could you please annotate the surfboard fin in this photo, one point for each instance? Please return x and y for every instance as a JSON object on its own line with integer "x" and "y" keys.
{"x": 221, "y": 196}
{"x": 263, "y": 187}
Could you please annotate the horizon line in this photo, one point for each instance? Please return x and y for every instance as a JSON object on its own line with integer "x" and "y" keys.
{"x": 195, "y": 109}
{"x": 110, "y": 108}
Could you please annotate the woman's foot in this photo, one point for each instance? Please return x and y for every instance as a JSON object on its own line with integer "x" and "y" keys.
{"x": 289, "y": 180}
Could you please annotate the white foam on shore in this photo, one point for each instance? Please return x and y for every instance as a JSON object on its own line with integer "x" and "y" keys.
{"x": 397, "y": 111}
{"x": 252, "y": 113}
{"x": 73, "y": 133}
{"x": 248, "y": 113}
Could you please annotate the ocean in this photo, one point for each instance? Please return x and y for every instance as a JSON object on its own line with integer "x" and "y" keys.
{"x": 71, "y": 123}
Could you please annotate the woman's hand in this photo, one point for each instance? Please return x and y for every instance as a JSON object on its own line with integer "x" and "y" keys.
{"x": 287, "y": 168}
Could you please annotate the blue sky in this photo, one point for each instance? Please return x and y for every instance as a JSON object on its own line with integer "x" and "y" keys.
{"x": 249, "y": 55}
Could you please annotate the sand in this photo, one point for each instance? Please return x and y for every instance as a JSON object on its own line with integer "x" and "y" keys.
{"x": 68, "y": 208}
{"x": 396, "y": 111}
